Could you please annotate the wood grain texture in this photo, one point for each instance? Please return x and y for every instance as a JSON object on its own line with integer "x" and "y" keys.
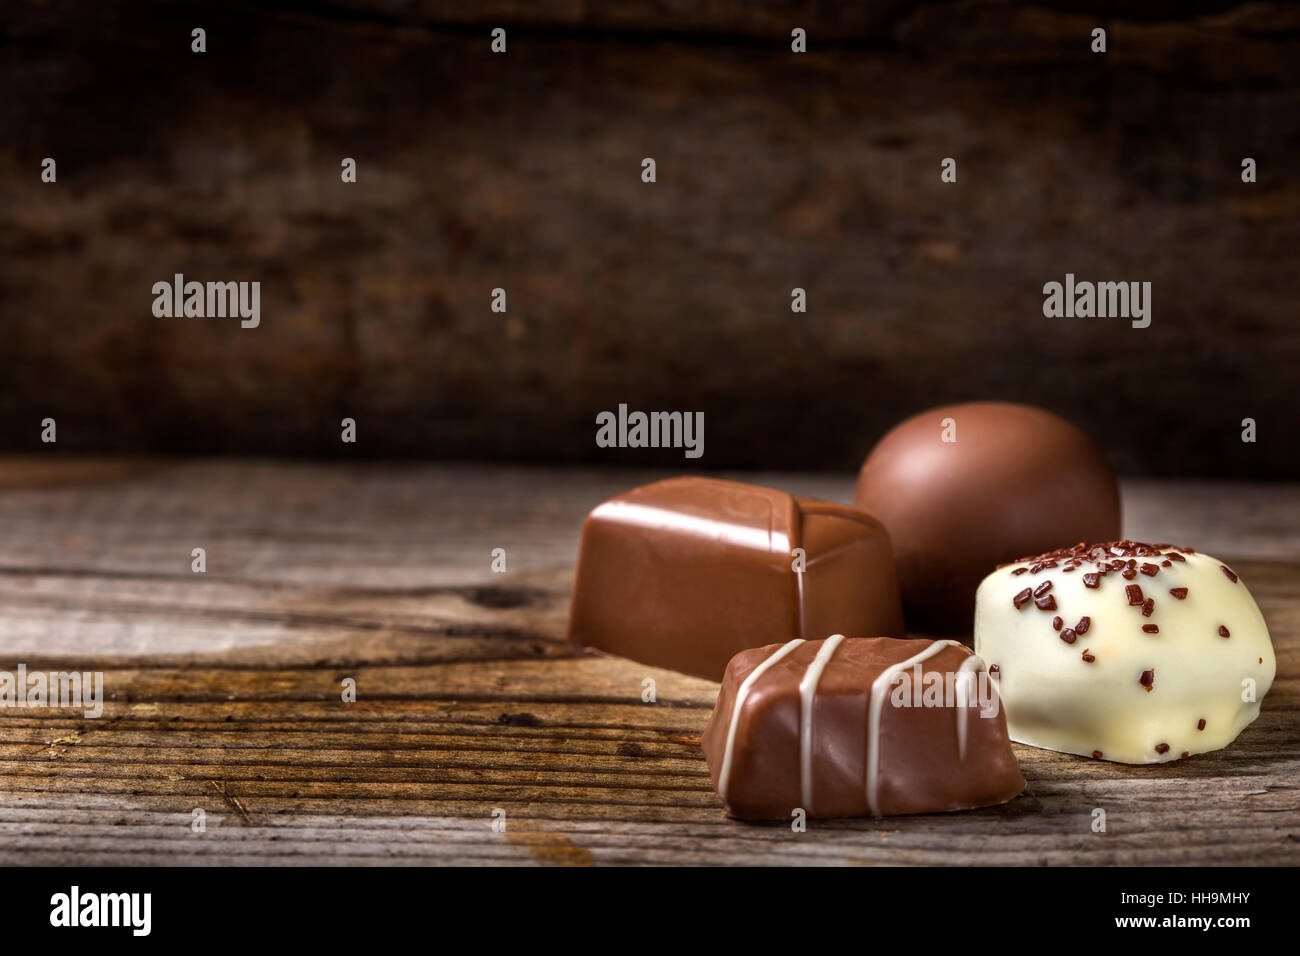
{"x": 223, "y": 690}
{"x": 775, "y": 170}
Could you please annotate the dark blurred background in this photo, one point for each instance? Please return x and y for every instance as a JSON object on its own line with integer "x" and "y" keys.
{"x": 775, "y": 170}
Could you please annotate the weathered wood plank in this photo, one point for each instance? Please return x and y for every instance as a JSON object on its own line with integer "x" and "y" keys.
{"x": 590, "y": 789}
{"x": 381, "y": 563}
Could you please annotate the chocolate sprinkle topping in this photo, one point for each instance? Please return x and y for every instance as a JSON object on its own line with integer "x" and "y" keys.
{"x": 1056, "y": 623}
{"x": 1162, "y": 748}
{"x": 1105, "y": 553}
{"x": 1150, "y": 570}
{"x": 1134, "y": 594}
{"x": 1148, "y": 607}
{"x": 1092, "y": 580}
{"x": 994, "y": 668}
{"x": 1019, "y": 571}
{"x": 1067, "y": 635}
{"x": 1179, "y": 593}
{"x": 1231, "y": 577}
{"x": 1083, "y": 625}
{"x": 1200, "y": 724}
{"x": 1042, "y": 589}
{"x": 1128, "y": 574}
{"x": 1186, "y": 753}
{"x": 1088, "y": 655}
{"x": 1047, "y": 603}
{"x": 1022, "y": 598}
{"x": 1223, "y": 631}
{"x": 1097, "y": 754}
{"x": 1151, "y": 628}
{"x": 1148, "y": 679}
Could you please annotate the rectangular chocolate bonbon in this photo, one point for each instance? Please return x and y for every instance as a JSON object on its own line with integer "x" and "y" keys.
{"x": 859, "y": 726}
{"x": 686, "y": 572}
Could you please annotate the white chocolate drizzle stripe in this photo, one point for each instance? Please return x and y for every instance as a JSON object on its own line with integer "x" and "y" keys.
{"x": 966, "y": 685}
{"x": 724, "y": 776}
{"x": 807, "y": 694}
{"x": 879, "y": 688}
{"x": 798, "y": 591}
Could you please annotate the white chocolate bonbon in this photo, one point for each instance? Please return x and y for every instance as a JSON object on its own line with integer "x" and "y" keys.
{"x": 1134, "y": 653}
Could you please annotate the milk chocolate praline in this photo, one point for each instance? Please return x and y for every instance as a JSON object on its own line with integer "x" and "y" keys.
{"x": 686, "y": 572}
{"x": 837, "y": 728}
{"x": 964, "y": 488}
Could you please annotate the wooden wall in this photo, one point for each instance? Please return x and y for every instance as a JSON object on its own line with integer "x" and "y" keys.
{"x": 775, "y": 170}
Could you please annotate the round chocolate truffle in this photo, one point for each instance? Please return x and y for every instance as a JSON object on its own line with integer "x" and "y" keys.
{"x": 964, "y": 488}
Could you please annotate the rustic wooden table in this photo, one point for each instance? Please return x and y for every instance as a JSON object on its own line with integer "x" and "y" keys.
{"x": 224, "y": 688}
